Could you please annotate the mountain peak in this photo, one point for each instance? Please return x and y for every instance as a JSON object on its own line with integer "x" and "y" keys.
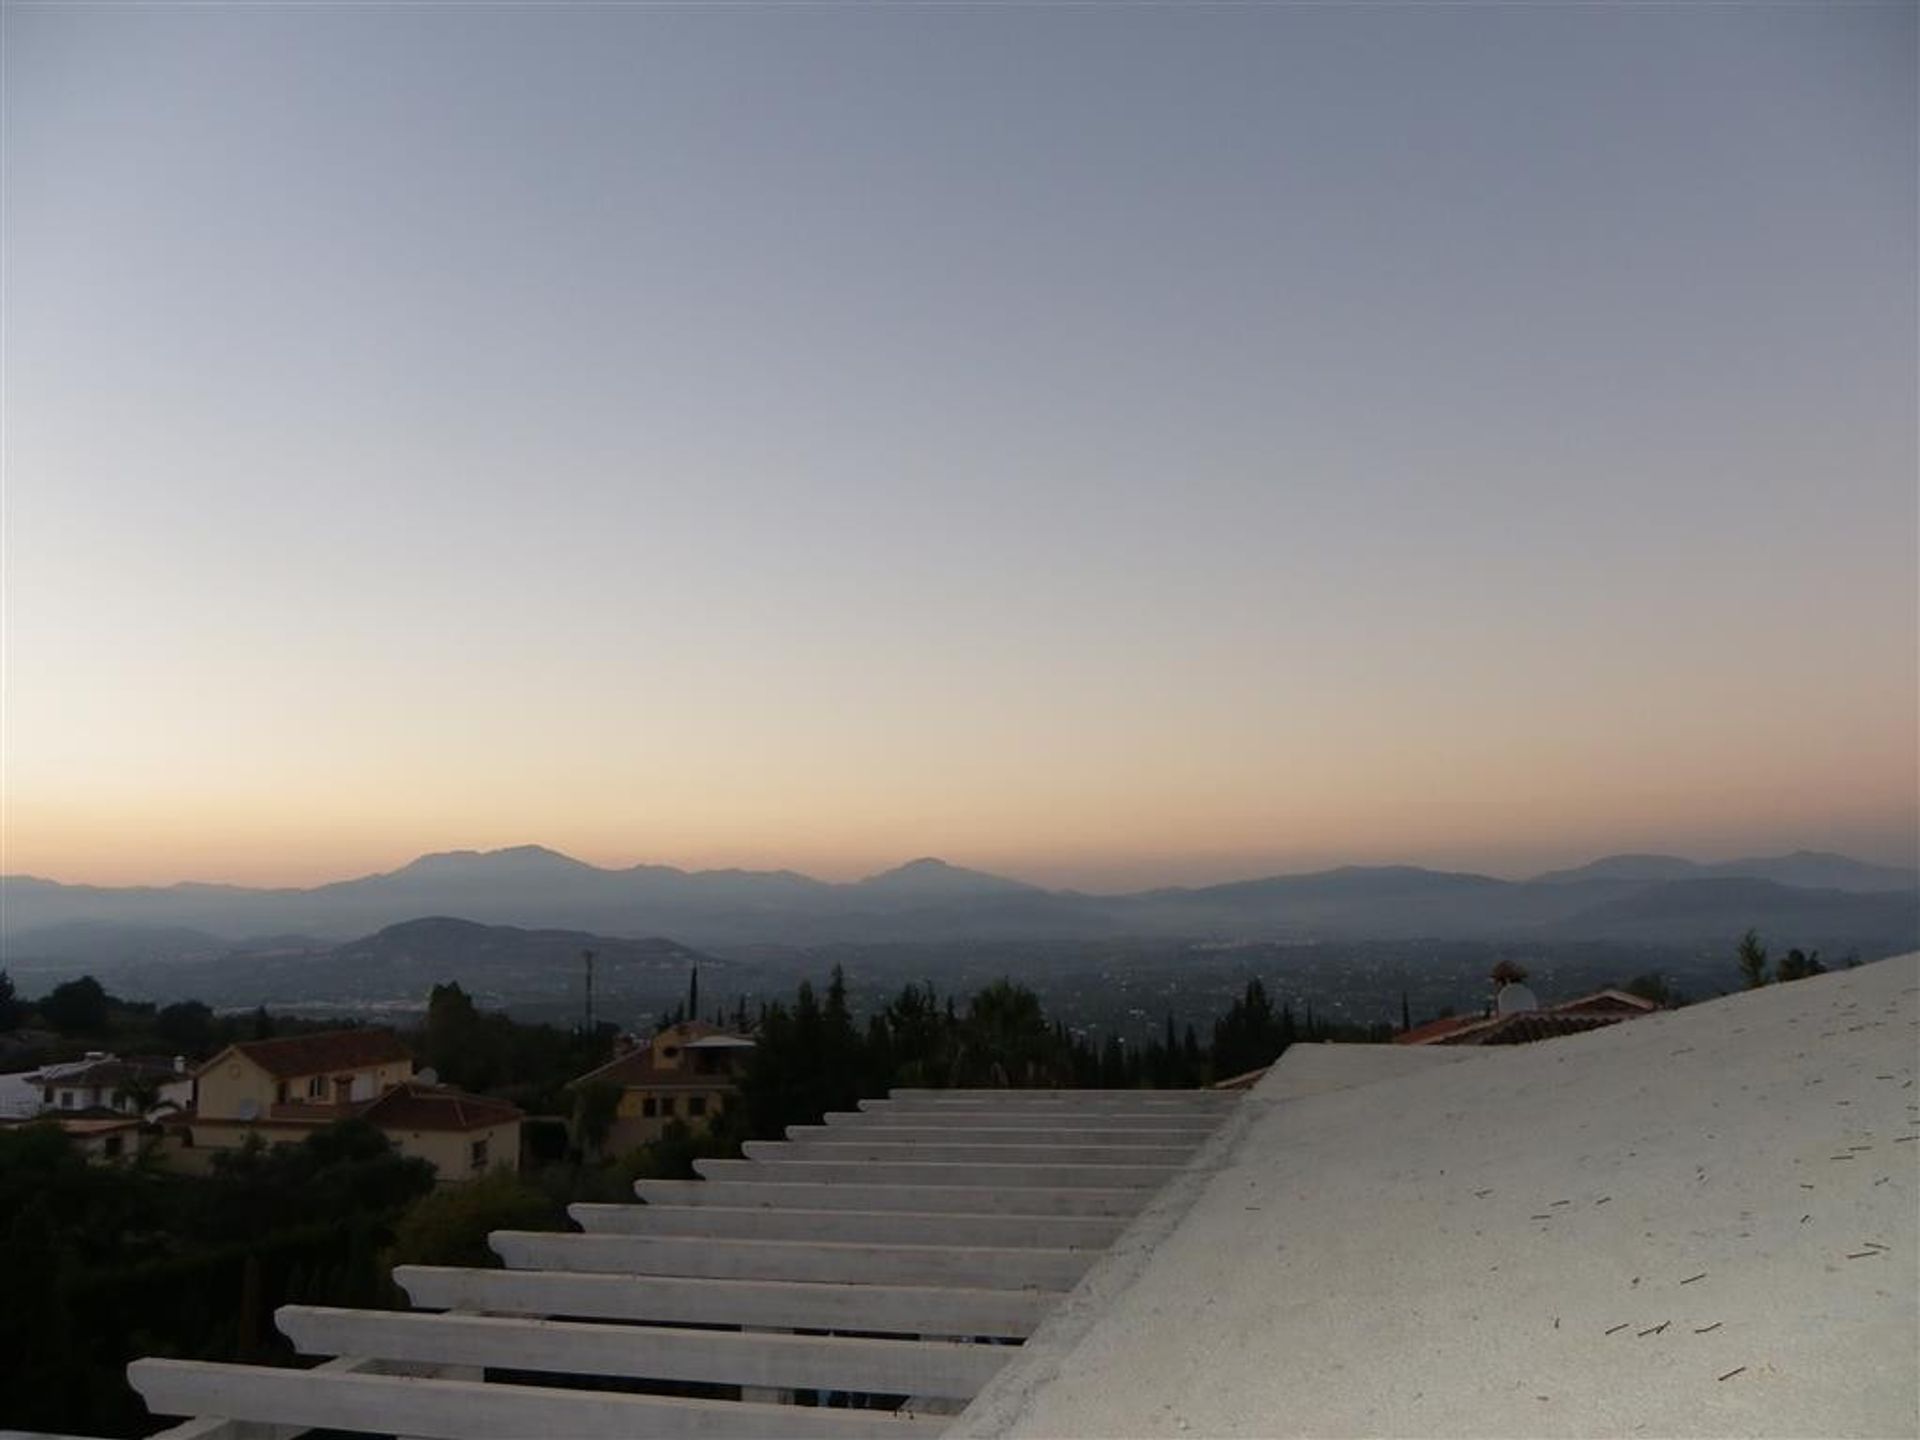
{"x": 513, "y": 857}
{"x": 1638, "y": 868}
{"x": 933, "y": 875}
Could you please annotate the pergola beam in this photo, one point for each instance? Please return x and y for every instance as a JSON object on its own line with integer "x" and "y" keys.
{"x": 1105, "y": 1177}
{"x": 811, "y": 1262}
{"x": 863, "y": 1150}
{"x": 850, "y": 1192}
{"x": 880, "y": 1367}
{"x": 845, "y": 1126}
{"x": 893, "y": 1227}
{"x": 882, "y": 1309}
{"x": 474, "y": 1410}
{"x": 884, "y": 1112}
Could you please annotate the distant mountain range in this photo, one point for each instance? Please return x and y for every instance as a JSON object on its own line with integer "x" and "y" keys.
{"x": 1802, "y": 898}
{"x": 1807, "y": 869}
{"x": 499, "y": 965}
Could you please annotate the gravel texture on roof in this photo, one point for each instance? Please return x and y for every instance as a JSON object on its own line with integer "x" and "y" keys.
{"x": 1706, "y": 1222}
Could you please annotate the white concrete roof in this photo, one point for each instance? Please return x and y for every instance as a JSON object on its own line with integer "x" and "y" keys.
{"x": 1703, "y": 1223}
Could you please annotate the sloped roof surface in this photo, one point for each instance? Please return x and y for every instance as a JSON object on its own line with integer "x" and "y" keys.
{"x": 1569, "y": 1017}
{"x": 1706, "y": 1222}
{"x": 1430, "y": 1032}
{"x": 1526, "y": 1026}
{"x": 418, "y": 1106}
{"x": 320, "y": 1054}
{"x": 640, "y": 1066}
{"x": 1618, "y": 1002}
{"x": 106, "y": 1070}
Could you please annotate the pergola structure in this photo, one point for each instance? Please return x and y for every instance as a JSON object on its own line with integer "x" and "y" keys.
{"x": 884, "y": 1265}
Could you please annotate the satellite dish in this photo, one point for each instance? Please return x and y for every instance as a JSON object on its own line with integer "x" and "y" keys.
{"x": 248, "y": 1109}
{"x": 428, "y": 1076}
{"x": 1515, "y": 999}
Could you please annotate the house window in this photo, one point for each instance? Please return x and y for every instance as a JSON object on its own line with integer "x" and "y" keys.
{"x": 316, "y": 1087}
{"x": 669, "y": 1052}
{"x": 280, "y": 1093}
{"x": 66, "y": 1099}
{"x": 696, "y": 1105}
{"x": 649, "y": 1108}
{"x": 666, "y": 1105}
{"x": 112, "y": 1147}
{"x": 479, "y": 1149}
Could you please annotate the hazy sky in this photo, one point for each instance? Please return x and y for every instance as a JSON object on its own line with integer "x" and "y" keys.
{"x": 1101, "y": 443}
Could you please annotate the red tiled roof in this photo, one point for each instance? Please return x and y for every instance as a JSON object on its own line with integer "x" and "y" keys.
{"x": 417, "y": 1106}
{"x": 320, "y": 1054}
{"x": 1431, "y": 1032}
{"x": 638, "y": 1066}
{"x": 1569, "y": 1017}
{"x": 1527, "y": 1026}
{"x": 1606, "y": 1002}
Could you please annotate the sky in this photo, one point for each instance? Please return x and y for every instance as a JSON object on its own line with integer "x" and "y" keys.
{"x": 1109, "y": 445}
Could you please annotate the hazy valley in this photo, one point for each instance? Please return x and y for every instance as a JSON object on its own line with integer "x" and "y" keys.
{"x": 511, "y": 926}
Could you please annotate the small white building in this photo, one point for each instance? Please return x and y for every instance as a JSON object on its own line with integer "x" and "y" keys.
{"x": 104, "y": 1081}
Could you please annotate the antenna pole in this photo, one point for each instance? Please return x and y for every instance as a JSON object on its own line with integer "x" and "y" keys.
{"x": 587, "y": 955}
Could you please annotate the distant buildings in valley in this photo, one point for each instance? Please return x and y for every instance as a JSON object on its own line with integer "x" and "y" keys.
{"x": 286, "y": 1089}
{"x": 279, "y": 1091}
{"x": 687, "y": 1072}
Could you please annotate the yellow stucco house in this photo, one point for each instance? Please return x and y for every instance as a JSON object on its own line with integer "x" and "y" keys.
{"x": 687, "y": 1072}
{"x": 283, "y": 1090}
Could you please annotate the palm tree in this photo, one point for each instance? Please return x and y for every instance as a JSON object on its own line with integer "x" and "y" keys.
{"x": 139, "y": 1091}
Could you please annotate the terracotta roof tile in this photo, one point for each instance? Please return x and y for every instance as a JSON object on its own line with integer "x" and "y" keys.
{"x": 320, "y": 1054}
{"x": 418, "y": 1106}
{"x": 1527, "y": 1026}
{"x": 1433, "y": 1030}
{"x": 1606, "y": 1002}
{"x": 639, "y": 1066}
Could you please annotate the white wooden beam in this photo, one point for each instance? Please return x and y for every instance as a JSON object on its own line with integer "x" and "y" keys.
{"x": 884, "y": 1112}
{"x": 850, "y": 1192}
{"x": 1104, "y": 1177}
{"x": 810, "y": 1262}
{"x": 1081, "y": 1102}
{"x": 467, "y": 1410}
{"x": 651, "y": 1352}
{"x": 882, "y": 1309}
{"x": 215, "y": 1427}
{"x": 944, "y": 1153}
{"x": 885, "y": 1227}
{"x": 1042, "y": 1131}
